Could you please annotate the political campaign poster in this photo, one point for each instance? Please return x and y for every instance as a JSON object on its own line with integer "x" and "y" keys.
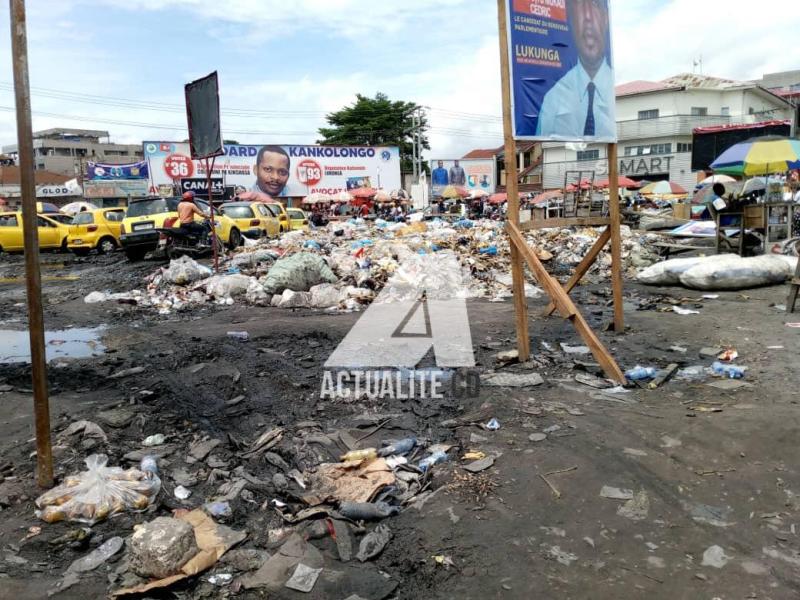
{"x": 469, "y": 173}
{"x": 102, "y": 171}
{"x": 279, "y": 170}
{"x": 562, "y": 76}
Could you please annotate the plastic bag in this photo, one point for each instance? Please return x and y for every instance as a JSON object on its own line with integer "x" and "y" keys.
{"x": 184, "y": 270}
{"x": 100, "y": 492}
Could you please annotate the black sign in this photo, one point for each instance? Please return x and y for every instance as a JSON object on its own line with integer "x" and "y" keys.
{"x": 709, "y": 142}
{"x": 199, "y": 185}
{"x": 202, "y": 111}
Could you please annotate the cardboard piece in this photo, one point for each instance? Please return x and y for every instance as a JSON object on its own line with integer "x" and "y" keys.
{"x": 355, "y": 481}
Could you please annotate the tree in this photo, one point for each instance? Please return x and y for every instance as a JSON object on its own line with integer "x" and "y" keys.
{"x": 376, "y": 122}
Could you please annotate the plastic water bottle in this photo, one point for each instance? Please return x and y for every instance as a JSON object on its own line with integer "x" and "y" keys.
{"x": 640, "y": 373}
{"x": 433, "y": 459}
{"x": 239, "y": 335}
{"x": 730, "y": 371}
{"x": 403, "y": 446}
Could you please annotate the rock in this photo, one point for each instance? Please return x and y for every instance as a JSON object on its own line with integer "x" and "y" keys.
{"x": 507, "y": 357}
{"x": 715, "y": 556}
{"x": 161, "y": 547}
{"x": 712, "y": 352}
{"x": 276, "y": 571}
{"x": 479, "y": 465}
{"x": 276, "y": 461}
{"x": 117, "y": 417}
{"x": 344, "y": 540}
{"x": 656, "y": 562}
{"x": 280, "y": 482}
{"x": 127, "y": 372}
{"x": 183, "y": 477}
{"x": 326, "y": 295}
{"x": 615, "y": 493}
{"x": 513, "y": 379}
{"x": 537, "y": 437}
{"x": 374, "y": 543}
{"x": 199, "y": 450}
{"x": 636, "y": 508}
{"x": 98, "y": 556}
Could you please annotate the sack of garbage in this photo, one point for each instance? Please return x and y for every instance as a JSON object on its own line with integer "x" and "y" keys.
{"x": 227, "y": 286}
{"x": 256, "y": 295}
{"x": 245, "y": 260}
{"x": 100, "y": 492}
{"x": 326, "y": 295}
{"x": 299, "y": 273}
{"x": 184, "y": 270}
{"x": 669, "y": 272}
{"x": 739, "y": 273}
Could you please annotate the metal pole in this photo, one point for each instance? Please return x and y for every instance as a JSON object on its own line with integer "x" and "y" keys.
{"x": 33, "y": 278}
{"x": 415, "y": 175}
{"x": 211, "y": 209}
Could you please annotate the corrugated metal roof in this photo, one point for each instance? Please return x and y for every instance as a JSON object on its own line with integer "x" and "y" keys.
{"x": 481, "y": 153}
{"x": 639, "y": 87}
{"x": 10, "y": 176}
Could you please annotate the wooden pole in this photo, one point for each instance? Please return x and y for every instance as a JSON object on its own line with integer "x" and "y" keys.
{"x": 512, "y": 191}
{"x": 616, "y": 241}
{"x": 33, "y": 276}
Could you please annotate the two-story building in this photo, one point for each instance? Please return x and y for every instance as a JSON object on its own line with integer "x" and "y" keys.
{"x": 655, "y": 121}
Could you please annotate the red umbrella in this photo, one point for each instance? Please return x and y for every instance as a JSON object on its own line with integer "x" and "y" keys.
{"x": 585, "y": 185}
{"x": 622, "y": 181}
{"x": 363, "y": 192}
{"x": 545, "y": 196}
{"x": 498, "y": 198}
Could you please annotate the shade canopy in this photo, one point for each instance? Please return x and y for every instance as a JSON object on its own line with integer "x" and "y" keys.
{"x": 759, "y": 156}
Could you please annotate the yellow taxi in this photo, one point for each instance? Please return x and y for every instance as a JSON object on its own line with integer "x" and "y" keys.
{"x": 52, "y": 234}
{"x": 254, "y": 219}
{"x": 297, "y": 219}
{"x": 280, "y": 213}
{"x": 139, "y": 230}
{"x": 95, "y": 229}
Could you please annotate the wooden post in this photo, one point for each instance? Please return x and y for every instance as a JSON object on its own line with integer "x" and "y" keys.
{"x": 33, "y": 276}
{"x": 616, "y": 241}
{"x": 512, "y": 191}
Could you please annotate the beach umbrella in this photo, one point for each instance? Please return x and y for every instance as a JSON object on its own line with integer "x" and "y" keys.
{"x": 342, "y": 197}
{"x": 46, "y": 207}
{"x": 498, "y": 198}
{"x": 545, "y": 196}
{"x": 475, "y": 194}
{"x": 363, "y": 192}
{"x": 316, "y": 198}
{"x": 382, "y": 196}
{"x": 454, "y": 191}
{"x": 664, "y": 189}
{"x": 585, "y": 184}
{"x": 716, "y": 179}
{"x": 759, "y": 156}
{"x": 623, "y": 182}
{"x": 76, "y": 207}
{"x": 706, "y": 193}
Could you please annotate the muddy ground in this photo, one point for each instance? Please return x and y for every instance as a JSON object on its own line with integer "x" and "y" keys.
{"x": 708, "y": 466}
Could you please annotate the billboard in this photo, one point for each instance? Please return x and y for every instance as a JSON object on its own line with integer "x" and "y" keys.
{"x": 469, "y": 173}
{"x": 102, "y": 171}
{"x": 562, "y": 78}
{"x": 118, "y": 188}
{"x": 280, "y": 170}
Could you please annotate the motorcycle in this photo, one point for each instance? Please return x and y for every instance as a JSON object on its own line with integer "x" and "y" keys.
{"x": 176, "y": 241}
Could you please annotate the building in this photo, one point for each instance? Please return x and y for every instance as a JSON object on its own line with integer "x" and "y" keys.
{"x": 66, "y": 151}
{"x": 655, "y": 123}
{"x": 50, "y": 187}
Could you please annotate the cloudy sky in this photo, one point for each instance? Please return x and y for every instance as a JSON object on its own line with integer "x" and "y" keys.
{"x": 120, "y": 65}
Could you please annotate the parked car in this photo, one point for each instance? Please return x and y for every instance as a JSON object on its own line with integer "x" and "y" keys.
{"x": 280, "y": 213}
{"x": 97, "y": 229}
{"x": 254, "y": 219}
{"x": 139, "y": 235}
{"x": 52, "y": 234}
{"x": 297, "y": 219}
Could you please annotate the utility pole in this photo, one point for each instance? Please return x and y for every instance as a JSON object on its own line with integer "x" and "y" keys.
{"x": 33, "y": 277}
{"x": 414, "y": 146}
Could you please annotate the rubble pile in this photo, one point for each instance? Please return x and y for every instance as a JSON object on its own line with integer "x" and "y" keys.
{"x": 344, "y": 265}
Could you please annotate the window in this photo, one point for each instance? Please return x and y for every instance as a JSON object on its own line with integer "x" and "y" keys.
{"x": 699, "y": 111}
{"x": 83, "y": 218}
{"x": 276, "y": 212}
{"x": 649, "y": 149}
{"x": 751, "y": 111}
{"x": 8, "y": 221}
{"x": 238, "y": 211}
{"x": 588, "y": 154}
{"x": 725, "y": 111}
{"x": 40, "y": 222}
{"x": 684, "y": 147}
{"x": 265, "y": 211}
{"x": 648, "y": 114}
{"x": 148, "y": 207}
{"x": 114, "y": 215}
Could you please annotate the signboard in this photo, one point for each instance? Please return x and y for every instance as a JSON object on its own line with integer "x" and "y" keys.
{"x": 122, "y": 188}
{"x": 280, "y": 170}
{"x": 202, "y": 113}
{"x": 199, "y": 185}
{"x": 562, "y": 78}
{"x": 101, "y": 171}
{"x": 70, "y": 188}
{"x": 469, "y": 173}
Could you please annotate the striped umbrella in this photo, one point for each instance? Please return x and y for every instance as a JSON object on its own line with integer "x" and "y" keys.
{"x": 454, "y": 191}
{"x": 663, "y": 189}
{"x": 759, "y": 156}
{"x": 622, "y": 181}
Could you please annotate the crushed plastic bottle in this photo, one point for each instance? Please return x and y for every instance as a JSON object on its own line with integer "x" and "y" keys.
{"x": 730, "y": 371}
{"x": 432, "y": 459}
{"x": 218, "y": 509}
{"x": 367, "y": 511}
{"x": 639, "y": 373}
{"x": 365, "y": 454}
{"x": 239, "y": 335}
{"x": 493, "y": 425}
{"x": 403, "y": 446}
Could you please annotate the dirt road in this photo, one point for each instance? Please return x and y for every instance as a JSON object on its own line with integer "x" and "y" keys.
{"x": 703, "y": 467}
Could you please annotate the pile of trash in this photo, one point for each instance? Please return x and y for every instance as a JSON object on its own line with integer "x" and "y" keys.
{"x": 345, "y": 265}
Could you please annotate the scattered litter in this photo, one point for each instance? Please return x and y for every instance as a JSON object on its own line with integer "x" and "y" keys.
{"x": 218, "y": 509}
{"x": 479, "y": 465}
{"x": 303, "y": 579}
{"x": 685, "y": 311}
{"x": 367, "y": 511}
{"x": 714, "y": 556}
{"x": 670, "y": 442}
{"x": 567, "y": 349}
{"x": 562, "y": 556}
{"x": 615, "y": 493}
{"x": 97, "y": 556}
{"x": 537, "y": 437}
{"x": 100, "y": 492}
{"x": 154, "y": 440}
{"x": 710, "y": 296}
{"x": 636, "y": 508}
{"x": 181, "y": 493}
{"x": 220, "y": 579}
{"x": 443, "y": 561}
{"x": 640, "y": 373}
{"x": 728, "y": 355}
{"x": 474, "y": 455}
{"x": 513, "y": 379}
{"x": 634, "y": 452}
{"x": 492, "y": 425}
{"x": 374, "y": 543}
{"x": 711, "y": 515}
{"x": 730, "y": 371}
{"x": 242, "y": 336}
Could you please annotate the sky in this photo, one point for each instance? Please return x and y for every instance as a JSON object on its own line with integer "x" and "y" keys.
{"x": 120, "y": 65}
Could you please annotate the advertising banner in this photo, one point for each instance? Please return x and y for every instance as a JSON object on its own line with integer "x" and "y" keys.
{"x": 280, "y": 170}
{"x": 199, "y": 185}
{"x": 121, "y": 188}
{"x": 70, "y": 188}
{"x": 469, "y": 173}
{"x": 101, "y": 171}
{"x": 562, "y": 78}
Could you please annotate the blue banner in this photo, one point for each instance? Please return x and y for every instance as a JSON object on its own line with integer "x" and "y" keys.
{"x": 562, "y": 77}
{"x": 101, "y": 171}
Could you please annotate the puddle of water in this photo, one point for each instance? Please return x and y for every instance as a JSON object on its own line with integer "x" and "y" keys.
{"x": 78, "y": 342}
